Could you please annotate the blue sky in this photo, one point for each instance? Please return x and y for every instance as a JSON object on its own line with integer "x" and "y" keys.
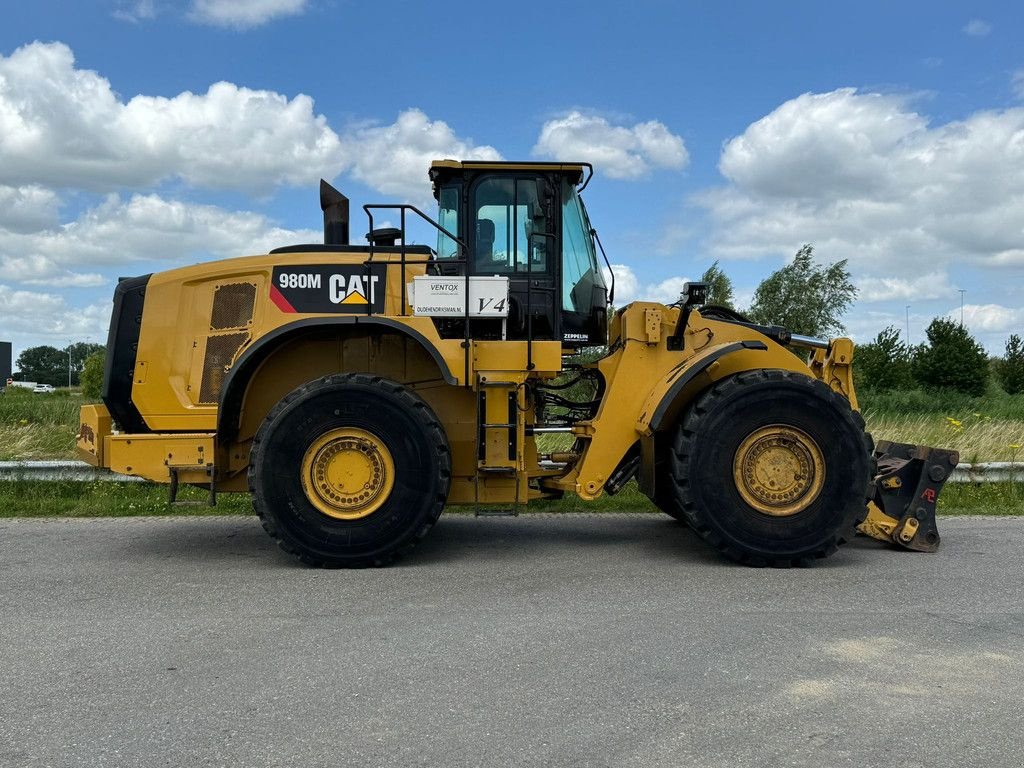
{"x": 137, "y": 136}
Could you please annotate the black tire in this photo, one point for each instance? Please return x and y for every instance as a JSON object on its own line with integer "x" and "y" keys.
{"x": 705, "y": 445}
{"x": 664, "y": 497}
{"x": 395, "y": 416}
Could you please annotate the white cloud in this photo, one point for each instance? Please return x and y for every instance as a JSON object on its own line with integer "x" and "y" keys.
{"x": 990, "y": 318}
{"x": 27, "y": 209}
{"x": 628, "y": 287}
{"x": 620, "y": 152}
{"x": 244, "y": 14}
{"x": 977, "y": 28}
{"x": 394, "y": 159}
{"x": 1017, "y": 83}
{"x": 666, "y": 291}
{"x": 33, "y": 317}
{"x": 137, "y": 11}
{"x": 145, "y": 228}
{"x": 864, "y": 177}
{"x": 933, "y": 285}
{"x": 65, "y": 127}
{"x": 37, "y": 269}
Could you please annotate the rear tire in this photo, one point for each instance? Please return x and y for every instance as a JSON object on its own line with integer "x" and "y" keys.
{"x": 371, "y": 428}
{"x": 725, "y": 451}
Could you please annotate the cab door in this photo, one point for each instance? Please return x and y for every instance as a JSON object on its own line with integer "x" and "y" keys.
{"x": 513, "y": 233}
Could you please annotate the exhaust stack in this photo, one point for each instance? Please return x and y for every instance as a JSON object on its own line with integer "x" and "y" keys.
{"x": 335, "y": 208}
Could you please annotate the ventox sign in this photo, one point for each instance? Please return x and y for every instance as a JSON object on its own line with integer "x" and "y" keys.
{"x": 330, "y": 289}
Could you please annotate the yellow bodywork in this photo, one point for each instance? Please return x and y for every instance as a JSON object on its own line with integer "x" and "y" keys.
{"x": 192, "y": 339}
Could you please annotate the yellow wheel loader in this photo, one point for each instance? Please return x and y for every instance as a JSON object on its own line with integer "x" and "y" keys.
{"x": 356, "y": 390}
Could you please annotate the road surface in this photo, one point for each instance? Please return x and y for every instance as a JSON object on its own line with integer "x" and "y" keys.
{"x": 543, "y": 640}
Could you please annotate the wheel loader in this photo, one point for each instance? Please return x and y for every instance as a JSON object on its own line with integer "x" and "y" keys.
{"x": 356, "y": 390}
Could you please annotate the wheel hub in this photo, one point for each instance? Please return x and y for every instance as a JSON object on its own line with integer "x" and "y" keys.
{"x": 779, "y": 470}
{"x": 347, "y": 473}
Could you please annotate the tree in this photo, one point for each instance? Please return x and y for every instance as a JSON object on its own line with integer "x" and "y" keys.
{"x": 44, "y": 365}
{"x": 804, "y": 297}
{"x": 49, "y": 365}
{"x": 92, "y": 375}
{"x": 951, "y": 359}
{"x": 78, "y": 353}
{"x": 719, "y": 287}
{"x": 885, "y": 363}
{"x": 1011, "y": 367}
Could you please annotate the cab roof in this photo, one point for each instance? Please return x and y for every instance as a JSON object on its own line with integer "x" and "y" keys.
{"x": 440, "y": 168}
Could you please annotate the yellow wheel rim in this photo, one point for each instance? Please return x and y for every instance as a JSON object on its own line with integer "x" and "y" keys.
{"x": 779, "y": 470}
{"x": 348, "y": 473}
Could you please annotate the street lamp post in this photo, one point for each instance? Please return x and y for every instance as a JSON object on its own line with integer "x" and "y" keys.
{"x": 962, "y": 292}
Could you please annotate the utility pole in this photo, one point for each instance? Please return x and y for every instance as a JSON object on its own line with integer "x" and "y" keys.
{"x": 962, "y": 292}
{"x": 908, "y": 325}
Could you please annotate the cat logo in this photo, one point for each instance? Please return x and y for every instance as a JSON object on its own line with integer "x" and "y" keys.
{"x": 352, "y": 289}
{"x": 329, "y": 288}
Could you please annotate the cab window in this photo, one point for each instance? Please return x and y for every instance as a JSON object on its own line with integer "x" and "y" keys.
{"x": 508, "y": 215}
{"x": 579, "y": 260}
{"x": 448, "y": 217}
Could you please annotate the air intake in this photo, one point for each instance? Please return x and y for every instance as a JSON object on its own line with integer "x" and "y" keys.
{"x": 232, "y": 306}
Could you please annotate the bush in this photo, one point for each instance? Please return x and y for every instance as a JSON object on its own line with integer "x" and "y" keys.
{"x": 1011, "y": 367}
{"x": 951, "y": 359}
{"x": 92, "y": 375}
{"x": 884, "y": 364}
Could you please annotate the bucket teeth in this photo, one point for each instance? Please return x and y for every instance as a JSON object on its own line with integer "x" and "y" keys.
{"x": 901, "y": 501}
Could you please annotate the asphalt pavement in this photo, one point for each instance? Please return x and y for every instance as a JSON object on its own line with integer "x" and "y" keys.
{"x": 543, "y": 640}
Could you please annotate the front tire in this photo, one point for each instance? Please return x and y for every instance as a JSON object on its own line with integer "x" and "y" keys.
{"x": 349, "y": 470}
{"x": 771, "y": 467}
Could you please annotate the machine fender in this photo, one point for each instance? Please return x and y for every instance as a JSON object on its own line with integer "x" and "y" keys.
{"x": 237, "y": 379}
{"x": 663, "y": 399}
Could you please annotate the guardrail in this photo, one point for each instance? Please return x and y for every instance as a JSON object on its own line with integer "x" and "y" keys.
{"x": 988, "y": 472}
{"x": 60, "y": 470}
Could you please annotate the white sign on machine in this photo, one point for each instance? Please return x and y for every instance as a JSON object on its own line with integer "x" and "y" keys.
{"x": 446, "y": 296}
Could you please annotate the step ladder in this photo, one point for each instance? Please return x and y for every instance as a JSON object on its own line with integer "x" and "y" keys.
{"x": 497, "y": 438}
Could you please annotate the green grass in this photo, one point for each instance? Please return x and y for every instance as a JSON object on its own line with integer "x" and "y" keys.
{"x": 34, "y": 498}
{"x": 996, "y": 404}
{"x": 982, "y": 499}
{"x": 981, "y": 428}
{"x": 977, "y": 437}
{"x": 31, "y": 498}
{"x": 38, "y": 426}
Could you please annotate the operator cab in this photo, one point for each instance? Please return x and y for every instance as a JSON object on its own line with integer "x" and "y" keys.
{"x": 527, "y": 222}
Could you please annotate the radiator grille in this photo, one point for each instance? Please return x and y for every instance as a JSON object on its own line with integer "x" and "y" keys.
{"x": 220, "y": 352}
{"x": 232, "y": 306}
